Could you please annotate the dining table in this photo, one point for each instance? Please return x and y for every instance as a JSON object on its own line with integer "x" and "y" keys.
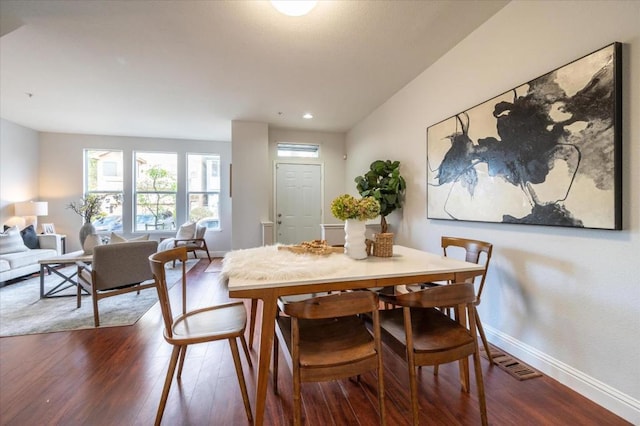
{"x": 405, "y": 266}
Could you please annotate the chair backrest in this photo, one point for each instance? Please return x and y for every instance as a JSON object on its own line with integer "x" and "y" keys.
{"x": 200, "y": 231}
{"x": 474, "y": 249}
{"x": 435, "y": 297}
{"x": 157, "y": 263}
{"x": 334, "y": 305}
{"x": 117, "y": 265}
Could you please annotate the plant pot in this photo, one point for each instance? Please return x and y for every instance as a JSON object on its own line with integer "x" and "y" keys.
{"x": 86, "y": 230}
{"x": 355, "y": 246}
{"x": 383, "y": 245}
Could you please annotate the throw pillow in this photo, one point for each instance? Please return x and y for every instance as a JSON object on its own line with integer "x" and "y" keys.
{"x": 186, "y": 231}
{"x": 115, "y": 238}
{"x": 30, "y": 238}
{"x": 11, "y": 241}
{"x": 92, "y": 240}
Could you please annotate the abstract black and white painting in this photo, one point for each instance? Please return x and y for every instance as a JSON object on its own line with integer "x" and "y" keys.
{"x": 545, "y": 153}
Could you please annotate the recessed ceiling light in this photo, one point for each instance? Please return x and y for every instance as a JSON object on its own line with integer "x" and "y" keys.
{"x": 294, "y": 7}
{"x": 308, "y": 116}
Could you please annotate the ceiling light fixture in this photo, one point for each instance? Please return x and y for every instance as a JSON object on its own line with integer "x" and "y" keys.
{"x": 294, "y": 7}
{"x": 308, "y": 116}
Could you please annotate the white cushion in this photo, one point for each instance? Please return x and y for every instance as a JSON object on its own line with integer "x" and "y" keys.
{"x": 186, "y": 231}
{"x": 200, "y": 231}
{"x": 92, "y": 241}
{"x": 11, "y": 241}
{"x": 115, "y": 238}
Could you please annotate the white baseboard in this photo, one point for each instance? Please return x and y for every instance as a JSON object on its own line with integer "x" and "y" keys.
{"x": 602, "y": 394}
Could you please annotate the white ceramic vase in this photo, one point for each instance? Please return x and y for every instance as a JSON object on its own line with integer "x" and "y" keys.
{"x": 355, "y": 246}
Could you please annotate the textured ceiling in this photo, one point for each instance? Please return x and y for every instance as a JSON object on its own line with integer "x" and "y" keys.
{"x": 185, "y": 69}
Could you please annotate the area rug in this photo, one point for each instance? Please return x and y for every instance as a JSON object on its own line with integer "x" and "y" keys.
{"x": 513, "y": 366}
{"x": 23, "y": 312}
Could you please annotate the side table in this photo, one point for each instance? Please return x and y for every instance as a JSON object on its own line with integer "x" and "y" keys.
{"x": 51, "y": 264}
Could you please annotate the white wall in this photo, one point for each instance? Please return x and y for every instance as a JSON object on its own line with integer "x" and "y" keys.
{"x": 61, "y": 182}
{"x": 251, "y": 182}
{"x": 566, "y": 301}
{"x": 19, "y": 156}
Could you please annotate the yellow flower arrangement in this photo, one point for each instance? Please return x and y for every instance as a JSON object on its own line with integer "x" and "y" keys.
{"x": 347, "y": 206}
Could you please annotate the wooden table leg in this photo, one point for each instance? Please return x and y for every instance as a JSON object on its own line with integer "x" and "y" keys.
{"x": 269, "y": 308}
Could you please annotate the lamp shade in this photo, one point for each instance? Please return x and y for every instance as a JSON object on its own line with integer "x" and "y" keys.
{"x": 32, "y": 208}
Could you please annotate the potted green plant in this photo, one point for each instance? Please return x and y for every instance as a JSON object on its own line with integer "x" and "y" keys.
{"x": 88, "y": 208}
{"x": 383, "y": 182}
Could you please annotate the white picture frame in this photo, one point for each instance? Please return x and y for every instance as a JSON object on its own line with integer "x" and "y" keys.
{"x": 48, "y": 228}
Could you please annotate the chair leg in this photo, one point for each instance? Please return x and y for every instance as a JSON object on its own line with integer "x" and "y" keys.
{"x": 381, "y": 404}
{"x": 246, "y": 350}
{"x": 240, "y": 374}
{"x": 96, "y": 315}
{"x": 167, "y": 384}
{"x": 484, "y": 338}
{"x": 207, "y": 250}
{"x": 183, "y": 355}
{"x": 297, "y": 397}
{"x": 413, "y": 386}
{"x": 275, "y": 364}
{"x": 480, "y": 385}
{"x": 252, "y": 321}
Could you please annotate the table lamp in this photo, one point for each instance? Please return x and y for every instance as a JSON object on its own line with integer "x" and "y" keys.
{"x": 30, "y": 210}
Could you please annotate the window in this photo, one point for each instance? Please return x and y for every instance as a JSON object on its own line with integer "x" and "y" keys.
{"x": 203, "y": 189}
{"x": 103, "y": 177}
{"x": 156, "y": 186}
{"x": 298, "y": 150}
{"x": 155, "y": 183}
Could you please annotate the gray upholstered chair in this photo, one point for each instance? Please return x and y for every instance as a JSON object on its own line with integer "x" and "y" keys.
{"x": 116, "y": 269}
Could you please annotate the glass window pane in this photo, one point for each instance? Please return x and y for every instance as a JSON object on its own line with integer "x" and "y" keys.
{"x": 156, "y": 185}
{"x": 155, "y": 211}
{"x": 104, "y": 179}
{"x": 203, "y": 188}
{"x": 203, "y": 172}
{"x": 104, "y": 170}
{"x": 298, "y": 150}
{"x": 156, "y": 171}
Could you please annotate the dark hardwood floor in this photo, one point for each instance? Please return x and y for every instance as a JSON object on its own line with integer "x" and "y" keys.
{"x": 114, "y": 376}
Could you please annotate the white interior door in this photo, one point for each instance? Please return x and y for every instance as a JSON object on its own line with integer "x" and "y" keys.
{"x": 298, "y": 202}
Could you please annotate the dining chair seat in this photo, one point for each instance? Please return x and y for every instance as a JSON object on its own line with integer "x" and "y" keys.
{"x": 347, "y": 339}
{"x": 432, "y": 331}
{"x": 212, "y": 323}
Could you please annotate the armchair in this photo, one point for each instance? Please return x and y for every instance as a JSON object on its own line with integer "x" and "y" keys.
{"x": 191, "y": 236}
{"x": 116, "y": 269}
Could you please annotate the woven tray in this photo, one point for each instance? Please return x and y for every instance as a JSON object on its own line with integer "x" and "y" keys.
{"x": 318, "y": 247}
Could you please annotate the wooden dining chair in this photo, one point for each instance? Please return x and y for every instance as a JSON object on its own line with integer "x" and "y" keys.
{"x": 324, "y": 338}
{"x": 223, "y": 321}
{"x": 422, "y": 334}
{"x": 475, "y": 251}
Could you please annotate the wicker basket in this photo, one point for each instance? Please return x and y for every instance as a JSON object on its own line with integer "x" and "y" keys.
{"x": 383, "y": 245}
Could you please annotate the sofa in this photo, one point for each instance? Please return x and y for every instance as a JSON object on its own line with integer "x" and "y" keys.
{"x": 18, "y": 259}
